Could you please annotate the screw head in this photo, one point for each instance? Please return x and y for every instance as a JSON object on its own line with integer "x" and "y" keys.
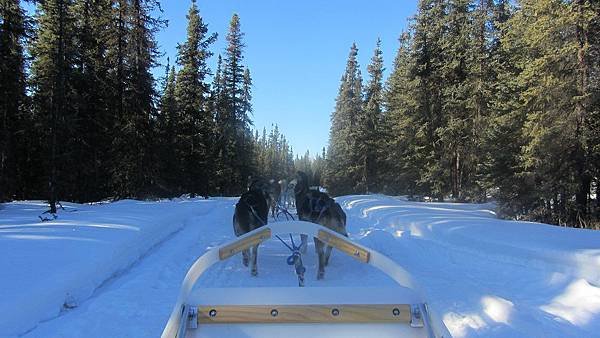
{"x": 335, "y": 312}
{"x": 396, "y": 311}
{"x": 274, "y": 313}
{"x": 212, "y": 313}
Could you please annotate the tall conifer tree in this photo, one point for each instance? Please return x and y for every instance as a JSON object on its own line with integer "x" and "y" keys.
{"x": 235, "y": 136}
{"x": 92, "y": 96}
{"x": 194, "y": 137}
{"x": 455, "y": 134}
{"x": 342, "y": 166}
{"x": 399, "y": 128}
{"x": 428, "y": 31}
{"x": 52, "y": 83}
{"x": 168, "y": 117}
{"x": 135, "y": 170}
{"x": 13, "y": 31}
{"x": 369, "y": 131}
{"x": 554, "y": 163}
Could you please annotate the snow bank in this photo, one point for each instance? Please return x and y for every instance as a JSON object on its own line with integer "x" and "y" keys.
{"x": 52, "y": 266}
{"x": 484, "y": 276}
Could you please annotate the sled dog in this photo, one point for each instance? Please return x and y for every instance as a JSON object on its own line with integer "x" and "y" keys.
{"x": 251, "y": 212}
{"x": 317, "y": 207}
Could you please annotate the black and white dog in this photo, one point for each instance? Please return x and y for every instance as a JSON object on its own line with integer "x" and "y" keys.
{"x": 317, "y": 207}
{"x": 251, "y": 212}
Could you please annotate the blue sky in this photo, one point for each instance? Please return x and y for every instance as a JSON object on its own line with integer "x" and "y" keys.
{"x": 296, "y": 52}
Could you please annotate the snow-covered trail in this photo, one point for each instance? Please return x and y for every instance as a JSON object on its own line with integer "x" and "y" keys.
{"x": 47, "y": 267}
{"x": 136, "y": 303}
{"x": 486, "y": 277}
{"x": 139, "y": 302}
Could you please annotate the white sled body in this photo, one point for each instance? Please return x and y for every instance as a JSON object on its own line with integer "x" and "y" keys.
{"x": 398, "y": 311}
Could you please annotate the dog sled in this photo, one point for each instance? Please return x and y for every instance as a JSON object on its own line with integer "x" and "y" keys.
{"x": 400, "y": 311}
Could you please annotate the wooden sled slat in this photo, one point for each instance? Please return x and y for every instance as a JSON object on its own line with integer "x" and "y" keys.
{"x": 362, "y": 313}
{"x": 345, "y": 246}
{"x": 244, "y": 243}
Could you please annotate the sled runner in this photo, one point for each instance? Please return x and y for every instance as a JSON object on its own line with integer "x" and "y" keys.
{"x": 302, "y": 312}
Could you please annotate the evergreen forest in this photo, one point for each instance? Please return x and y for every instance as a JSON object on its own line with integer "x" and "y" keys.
{"x": 488, "y": 100}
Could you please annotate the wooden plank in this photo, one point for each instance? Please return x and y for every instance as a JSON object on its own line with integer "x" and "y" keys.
{"x": 371, "y": 313}
{"x": 348, "y": 247}
{"x": 244, "y": 243}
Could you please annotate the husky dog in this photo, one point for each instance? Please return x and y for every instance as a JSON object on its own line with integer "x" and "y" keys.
{"x": 317, "y": 207}
{"x": 251, "y": 212}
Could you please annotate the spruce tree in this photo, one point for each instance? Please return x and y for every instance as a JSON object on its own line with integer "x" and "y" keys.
{"x": 343, "y": 167}
{"x": 554, "y": 162}
{"x": 503, "y": 138}
{"x": 92, "y": 96}
{"x": 456, "y": 133}
{"x": 368, "y": 128}
{"x": 118, "y": 75}
{"x": 194, "y": 126}
{"x": 428, "y": 32}
{"x": 587, "y": 20}
{"x": 168, "y": 117}
{"x": 400, "y": 162}
{"x": 235, "y": 135}
{"x": 135, "y": 169}
{"x": 52, "y": 84}
{"x": 13, "y": 31}
{"x": 592, "y": 58}
{"x": 223, "y": 145}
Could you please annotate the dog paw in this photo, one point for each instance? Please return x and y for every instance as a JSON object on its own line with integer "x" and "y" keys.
{"x": 320, "y": 275}
{"x": 245, "y": 262}
{"x": 254, "y": 273}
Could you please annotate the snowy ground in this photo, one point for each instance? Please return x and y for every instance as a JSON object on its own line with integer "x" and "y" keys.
{"x": 114, "y": 270}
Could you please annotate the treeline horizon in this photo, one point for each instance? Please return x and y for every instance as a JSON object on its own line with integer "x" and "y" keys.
{"x": 487, "y": 99}
{"x": 83, "y": 118}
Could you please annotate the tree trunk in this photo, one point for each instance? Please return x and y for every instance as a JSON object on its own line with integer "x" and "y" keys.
{"x": 581, "y": 165}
